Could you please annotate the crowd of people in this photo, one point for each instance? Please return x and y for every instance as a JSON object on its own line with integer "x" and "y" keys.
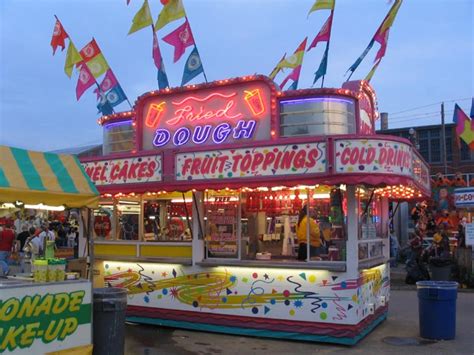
{"x": 434, "y": 237}
{"x": 25, "y": 238}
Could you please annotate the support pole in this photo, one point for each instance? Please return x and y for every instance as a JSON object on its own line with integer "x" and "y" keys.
{"x": 443, "y": 140}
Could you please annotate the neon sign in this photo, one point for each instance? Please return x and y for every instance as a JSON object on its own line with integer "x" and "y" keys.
{"x": 209, "y": 117}
{"x": 254, "y": 101}
{"x": 201, "y": 134}
{"x": 154, "y": 114}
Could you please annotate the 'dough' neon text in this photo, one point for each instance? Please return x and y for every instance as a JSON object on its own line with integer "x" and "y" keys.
{"x": 201, "y": 134}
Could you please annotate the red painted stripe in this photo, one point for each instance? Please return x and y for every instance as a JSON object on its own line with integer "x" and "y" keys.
{"x": 330, "y": 329}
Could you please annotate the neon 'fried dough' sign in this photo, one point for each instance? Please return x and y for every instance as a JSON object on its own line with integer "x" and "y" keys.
{"x": 210, "y": 116}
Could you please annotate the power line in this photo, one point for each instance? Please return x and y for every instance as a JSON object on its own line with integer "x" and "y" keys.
{"x": 419, "y": 115}
{"x": 433, "y": 104}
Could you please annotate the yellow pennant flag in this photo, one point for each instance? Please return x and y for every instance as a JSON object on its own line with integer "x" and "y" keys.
{"x": 322, "y": 5}
{"x": 72, "y": 57}
{"x": 372, "y": 71}
{"x": 98, "y": 65}
{"x": 388, "y": 22}
{"x": 142, "y": 18}
{"x": 173, "y": 10}
{"x": 296, "y": 59}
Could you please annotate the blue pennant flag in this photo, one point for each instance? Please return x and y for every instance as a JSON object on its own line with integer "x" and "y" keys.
{"x": 162, "y": 77}
{"x": 115, "y": 96}
{"x": 361, "y": 58}
{"x": 293, "y": 86}
{"x": 193, "y": 67}
{"x": 104, "y": 106}
{"x": 472, "y": 109}
{"x": 323, "y": 66}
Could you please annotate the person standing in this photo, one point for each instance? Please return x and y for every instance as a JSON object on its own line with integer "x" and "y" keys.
{"x": 7, "y": 236}
{"x": 314, "y": 233}
{"x": 23, "y": 236}
{"x": 45, "y": 235}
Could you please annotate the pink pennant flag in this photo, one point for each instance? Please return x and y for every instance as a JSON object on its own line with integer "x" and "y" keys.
{"x": 181, "y": 38}
{"x": 156, "y": 52}
{"x": 85, "y": 81}
{"x": 294, "y": 75}
{"x": 109, "y": 81}
{"x": 381, "y": 38}
{"x": 324, "y": 34}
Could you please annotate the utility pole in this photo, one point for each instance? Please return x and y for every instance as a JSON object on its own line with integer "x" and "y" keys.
{"x": 443, "y": 140}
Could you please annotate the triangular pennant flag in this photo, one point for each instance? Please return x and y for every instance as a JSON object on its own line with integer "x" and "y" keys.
{"x": 156, "y": 53}
{"x": 324, "y": 35}
{"x": 294, "y": 85}
{"x": 390, "y": 18}
{"x": 325, "y": 282}
{"x": 303, "y": 276}
{"x": 115, "y": 96}
{"x": 141, "y": 19}
{"x": 266, "y": 309}
{"x": 472, "y": 109}
{"x": 322, "y": 5}
{"x": 296, "y": 58}
{"x": 180, "y": 39}
{"x": 162, "y": 78}
{"x": 354, "y": 66}
{"x": 277, "y": 68}
{"x": 85, "y": 81}
{"x": 59, "y": 36}
{"x": 274, "y": 291}
{"x": 104, "y": 106}
{"x": 174, "y": 273}
{"x": 98, "y": 65}
{"x": 334, "y": 278}
{"x": 323, "y": 66}
{"x": 109, "y": 81}
{"x": 193, "y": 67}
{"x": 349, "y": 307}
{"x": 90, "y": 50}
{"x": 464, "y": 125}
{"x": 383, "y": 40}
{"x": 228, "y": 291}
{"x": 372, "y": 71}
{"x": 294, "y": 75}
{"x": 173, "y": 10}
{"x": 72, "y": 57}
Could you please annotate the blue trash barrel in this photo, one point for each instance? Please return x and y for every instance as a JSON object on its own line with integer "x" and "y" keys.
{"x": 437, "y": 309}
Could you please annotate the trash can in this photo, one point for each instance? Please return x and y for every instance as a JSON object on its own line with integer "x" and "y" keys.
{"x": 440, "y": 269}
{"x": 437, "y": 309}
{"x": 109, "y": 320}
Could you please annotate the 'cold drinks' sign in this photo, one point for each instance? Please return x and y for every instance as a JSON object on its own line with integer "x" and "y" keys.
{"x": 373, "y": 157}
{"x": 280, "y": 160}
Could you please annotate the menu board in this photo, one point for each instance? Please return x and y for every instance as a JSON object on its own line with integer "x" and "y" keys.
{"x": 221, "y": 238}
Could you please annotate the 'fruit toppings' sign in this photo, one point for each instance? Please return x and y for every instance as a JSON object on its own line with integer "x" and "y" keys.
{"x": 281, "y": 160}
{"x": 373, "y": 156}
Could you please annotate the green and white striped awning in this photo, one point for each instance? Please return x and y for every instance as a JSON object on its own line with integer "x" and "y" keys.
{"x": 51, "y": 179}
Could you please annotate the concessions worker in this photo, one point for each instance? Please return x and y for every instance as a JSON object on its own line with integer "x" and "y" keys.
{"x": 314, "y": 233}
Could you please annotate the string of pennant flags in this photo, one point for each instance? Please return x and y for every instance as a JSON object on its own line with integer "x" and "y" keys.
{"x": 92, "y": 66}
{"x": 295, "y": 61}
{"x": 181, "y": 38}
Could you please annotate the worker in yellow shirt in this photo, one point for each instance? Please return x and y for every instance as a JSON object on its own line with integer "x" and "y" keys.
{"x": 314, "y": 233}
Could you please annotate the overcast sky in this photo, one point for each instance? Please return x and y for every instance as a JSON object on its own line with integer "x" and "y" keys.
{"x": 429, "y": 57}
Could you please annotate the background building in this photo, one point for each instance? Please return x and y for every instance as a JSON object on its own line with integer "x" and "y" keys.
{"x": 428, "y": 139}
